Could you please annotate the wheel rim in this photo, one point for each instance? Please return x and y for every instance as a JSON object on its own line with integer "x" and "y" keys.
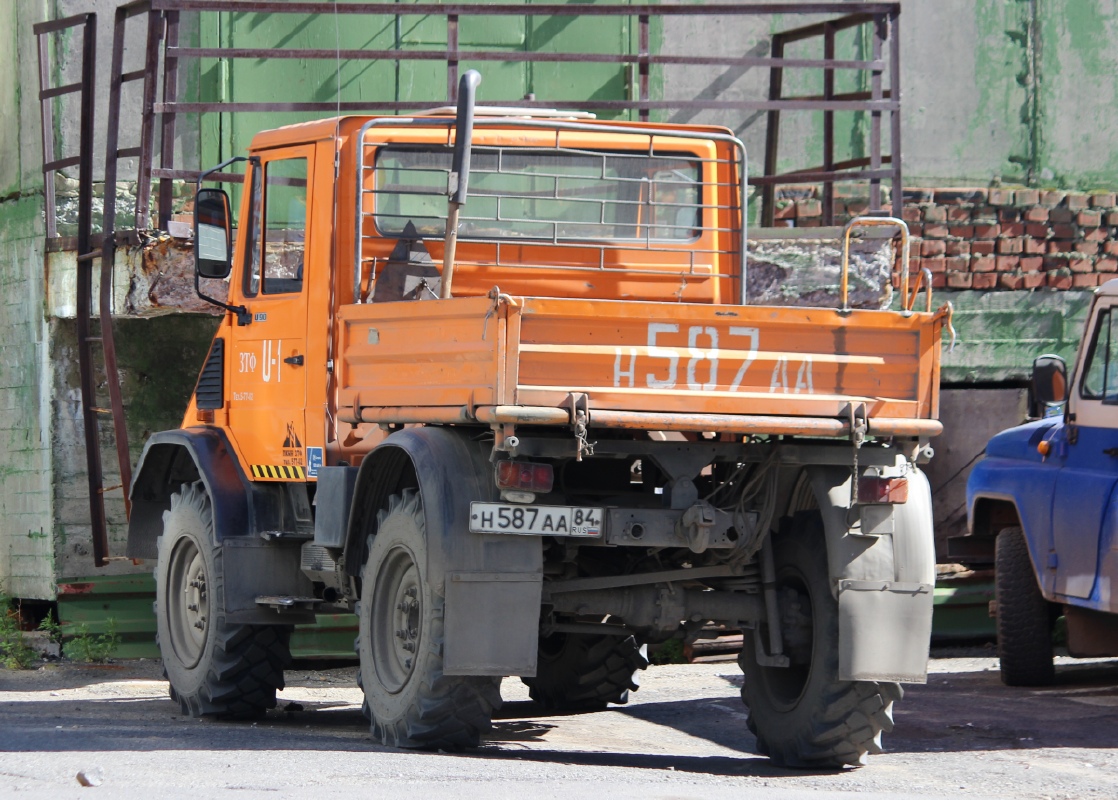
{"x": 397, "y": 614}
{"x": 786, "y": 685}
{"x": 188, "y": 605}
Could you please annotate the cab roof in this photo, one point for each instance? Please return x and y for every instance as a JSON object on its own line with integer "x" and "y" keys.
{"x": 333, "y": 127}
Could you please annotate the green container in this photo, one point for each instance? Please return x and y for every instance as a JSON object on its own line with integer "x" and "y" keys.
{"x": 128, "y": 600}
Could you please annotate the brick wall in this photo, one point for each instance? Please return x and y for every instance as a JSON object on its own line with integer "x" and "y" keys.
{"x": 994, "y": 239}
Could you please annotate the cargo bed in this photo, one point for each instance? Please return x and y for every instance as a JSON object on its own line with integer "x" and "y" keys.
{"x": 651, "y": 366}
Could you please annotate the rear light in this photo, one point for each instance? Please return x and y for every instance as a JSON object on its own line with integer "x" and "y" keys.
{"x": 876, "y": 489}
{"x": 525, "y": 476}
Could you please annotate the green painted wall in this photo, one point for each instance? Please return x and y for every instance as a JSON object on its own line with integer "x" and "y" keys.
{"x": 998, "y": 334}
{"x": 1078, "y": 96}
{"x": 1020, "y": 90}
{"x": 276, "y": 80}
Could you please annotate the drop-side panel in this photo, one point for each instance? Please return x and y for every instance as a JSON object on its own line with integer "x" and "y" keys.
{"x": 431, "y": 353}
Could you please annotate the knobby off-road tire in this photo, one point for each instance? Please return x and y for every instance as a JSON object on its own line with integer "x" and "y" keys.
{"x": 215, "y": 668}
{"x": 585, "y": 672}
{"x": 408, "y": 699}
{"x": 1024, "y": 617}
{"x": 803, "y": 715}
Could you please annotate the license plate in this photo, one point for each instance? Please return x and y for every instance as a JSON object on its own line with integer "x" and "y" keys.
{"x": 535, "y": 520}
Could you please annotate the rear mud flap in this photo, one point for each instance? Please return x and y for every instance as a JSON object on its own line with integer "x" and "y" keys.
{"x": 884, "y": 630}
{"x": 490, "y": 617}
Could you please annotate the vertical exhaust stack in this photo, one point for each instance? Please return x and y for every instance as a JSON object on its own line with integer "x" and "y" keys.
{"x": 459, "y": 173}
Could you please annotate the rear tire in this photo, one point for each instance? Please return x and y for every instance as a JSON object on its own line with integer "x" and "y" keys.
{"x": 1024, "y": 617}
{"x": 803, "y": 715}
{"x": 408, "y": 699}
{"x": 585, "y": 672}
{"x": 214, "y": 668}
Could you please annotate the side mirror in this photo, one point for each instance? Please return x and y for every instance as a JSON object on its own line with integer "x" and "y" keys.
{"x": 1050, "y": 384}
{"x": 213, "y": 238}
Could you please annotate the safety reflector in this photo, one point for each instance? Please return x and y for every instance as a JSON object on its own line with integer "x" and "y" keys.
{"x": 875, "y": 489}
{"x": 526, "y": 475}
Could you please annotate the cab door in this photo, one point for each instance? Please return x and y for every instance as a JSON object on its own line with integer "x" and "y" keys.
{"x": 1088, "y": 475}
{"x": 269, "y": 385}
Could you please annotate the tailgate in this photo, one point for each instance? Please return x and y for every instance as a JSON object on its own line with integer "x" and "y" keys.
{"x": 647, "y": 358}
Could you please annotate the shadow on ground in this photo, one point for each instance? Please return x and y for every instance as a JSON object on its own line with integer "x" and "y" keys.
{"x": 954, "y": 712}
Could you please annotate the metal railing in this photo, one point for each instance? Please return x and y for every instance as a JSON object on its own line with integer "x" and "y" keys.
{"x": 162, "y": 105}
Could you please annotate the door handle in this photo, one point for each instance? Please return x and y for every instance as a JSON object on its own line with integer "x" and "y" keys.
{"x": 1110, "y": 451}
{"x": 296, "y": 360}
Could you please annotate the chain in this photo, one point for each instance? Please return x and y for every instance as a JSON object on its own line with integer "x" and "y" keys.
{"x": 857, "y": 439}
{"x": 585, "y": 447}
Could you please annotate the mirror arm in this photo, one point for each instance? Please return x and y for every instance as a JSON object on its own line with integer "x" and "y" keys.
{"x": 235, "y": 159}
{"x": 243, "y": 315}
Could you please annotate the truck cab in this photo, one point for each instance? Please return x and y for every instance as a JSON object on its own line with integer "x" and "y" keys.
{"x": 1046, "y": 491}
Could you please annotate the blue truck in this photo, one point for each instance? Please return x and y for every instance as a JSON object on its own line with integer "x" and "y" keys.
{"x": 1046, "y": 497}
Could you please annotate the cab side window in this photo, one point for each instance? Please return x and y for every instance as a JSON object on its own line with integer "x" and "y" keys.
{"x": 1100, "y": 374}
{"x": 252, "y": 274}
{"x": 277, "y": 261}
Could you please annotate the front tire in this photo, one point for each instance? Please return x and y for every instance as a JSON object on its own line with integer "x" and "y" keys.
{"x": 409, "y": 701}
{"x": 802, "y": 714}
{"x": 214, "y": 668}
{"x": 1024, "y": 617}
{"x": 585, "y": 672}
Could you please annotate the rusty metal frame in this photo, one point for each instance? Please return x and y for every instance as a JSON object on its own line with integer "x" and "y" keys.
{"x": 885, "y": 31}
{"x": 883, "y": 16}
{"x": 113, "y": 153}
{"x": 86, "y": 255}
{"x": 47, "y": 93}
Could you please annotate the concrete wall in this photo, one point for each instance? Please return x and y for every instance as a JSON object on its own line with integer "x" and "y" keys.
{"x": 1020, "y": 91}
{"x": 44, "y": 510}
{"x": 970, "y": 417}
{"x": 159, "y": 360}
{"x": 26, "y": 530}
{"x": 1010, "y": 91}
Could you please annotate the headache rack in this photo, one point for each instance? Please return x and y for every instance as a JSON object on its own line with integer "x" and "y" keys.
{"x": 618, "y": 204}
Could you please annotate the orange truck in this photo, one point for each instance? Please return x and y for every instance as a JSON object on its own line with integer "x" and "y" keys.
{"x": 488, "y": 379}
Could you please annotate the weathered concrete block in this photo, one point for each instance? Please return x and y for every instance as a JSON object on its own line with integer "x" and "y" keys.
{"x": 807, "y": 271}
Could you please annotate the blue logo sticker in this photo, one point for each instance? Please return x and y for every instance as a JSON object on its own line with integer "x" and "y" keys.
{"x": 314, "y": 461}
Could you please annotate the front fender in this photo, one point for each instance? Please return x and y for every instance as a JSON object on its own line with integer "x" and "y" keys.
{"x": 174, "y": 457}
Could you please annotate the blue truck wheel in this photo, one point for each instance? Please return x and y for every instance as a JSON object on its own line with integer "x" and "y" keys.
{"x": 1024, "y": 616}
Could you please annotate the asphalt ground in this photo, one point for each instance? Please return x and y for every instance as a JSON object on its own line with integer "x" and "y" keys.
{"x": 683, "y": 735}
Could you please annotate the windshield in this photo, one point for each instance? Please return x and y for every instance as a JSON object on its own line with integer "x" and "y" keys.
{"x": 542, "y": 194}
